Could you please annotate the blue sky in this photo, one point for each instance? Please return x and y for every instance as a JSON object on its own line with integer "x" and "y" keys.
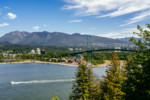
{"x": 108, "y": 18}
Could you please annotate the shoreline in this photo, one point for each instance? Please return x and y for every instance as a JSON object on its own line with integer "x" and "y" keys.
{"x": 42, "y": 62}
{"x": 107, "y": 63}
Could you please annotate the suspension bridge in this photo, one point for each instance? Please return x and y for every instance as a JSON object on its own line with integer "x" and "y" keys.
{"x": 89, "y": 51}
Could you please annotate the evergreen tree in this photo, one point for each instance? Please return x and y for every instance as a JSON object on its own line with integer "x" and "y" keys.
{"x": 146, "y": 79}
{"x": 93, "y": 86}
{"x": 86, "y": 85}
{"x": 80, "y": 85}
{"x": 112, "y": 85}
{"x": 133, "y": 82}
{"x": 139, "y": 68}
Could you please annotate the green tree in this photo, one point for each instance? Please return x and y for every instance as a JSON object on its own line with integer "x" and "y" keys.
{"x": 1, "y": 57}
{"x": 113, "y": 81}
{"x": 93, "y": 86}
{"x": 55, "y": 98}
{"x": 138, "y": 76}
{"x": 86, "y": 85}
{"x": 133, "y": 81}
{"x": 80, "y": 85}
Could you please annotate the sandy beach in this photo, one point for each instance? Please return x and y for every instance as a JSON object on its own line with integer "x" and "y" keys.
{"x": 107, "y": 63}
{"x": 29, "y": 61}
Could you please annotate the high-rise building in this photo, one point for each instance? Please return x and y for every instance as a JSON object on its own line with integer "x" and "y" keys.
{"x": 33, "y": 51}
{"x": 38, "y": 51}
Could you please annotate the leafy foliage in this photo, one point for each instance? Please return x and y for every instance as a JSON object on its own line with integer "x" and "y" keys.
{"x": 55, "y": 98}
{"x": 80, "y": 88}
{"x": 1, "y": 57}
{"x": 138, "y": 68}
{"x": 85, "y": 85}
{"x": 133, "y": 82}
{"x": 121, "y": 83}
{"x": 112, "y": 85}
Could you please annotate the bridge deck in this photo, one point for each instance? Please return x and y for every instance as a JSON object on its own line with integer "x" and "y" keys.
{"x": 75, "y": 53}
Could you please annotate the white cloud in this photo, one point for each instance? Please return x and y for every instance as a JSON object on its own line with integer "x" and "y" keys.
{"x": 36, "y": 27}
{"x": 4, "y": 24}
{"x": 110, "y": 35}
{"x": 141, "y": 16}
{"x": 84, "y": 33}
{"x": 117, "y": 35}
{"x": 11, "y": 16}
{"x": 45, "y": 25}
{"x": 110, "y": 8}
{"x": 75, "y": 21}
{"x": 114, "y": 7}
{"x": 121, "y": 34}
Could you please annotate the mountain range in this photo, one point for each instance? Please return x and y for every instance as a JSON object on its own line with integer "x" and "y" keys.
{"x": 57, "y": 39}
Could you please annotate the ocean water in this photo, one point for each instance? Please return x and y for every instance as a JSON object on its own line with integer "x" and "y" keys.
{"x": 35, "y": 81}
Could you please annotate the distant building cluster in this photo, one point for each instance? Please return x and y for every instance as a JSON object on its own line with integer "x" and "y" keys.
{"x": 117, "y": 47}
{"x": 9, "y": 55}
{"x": 76, "y": 49}
{"x": 38, "y": 51}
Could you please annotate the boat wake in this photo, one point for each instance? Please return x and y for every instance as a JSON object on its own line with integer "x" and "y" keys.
{"x": 40, "y": 81}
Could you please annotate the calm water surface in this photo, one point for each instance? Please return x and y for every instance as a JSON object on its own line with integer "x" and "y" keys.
{"x": 34, "y": 81}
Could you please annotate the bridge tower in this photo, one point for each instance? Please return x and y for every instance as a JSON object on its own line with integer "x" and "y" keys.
{"x": 89, "y": 58}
